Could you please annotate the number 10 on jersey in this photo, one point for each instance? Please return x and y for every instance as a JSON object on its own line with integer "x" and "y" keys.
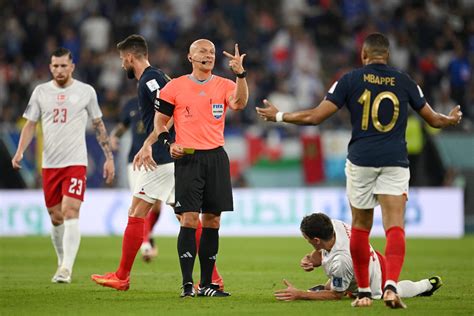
{"x": 365, "y": 99}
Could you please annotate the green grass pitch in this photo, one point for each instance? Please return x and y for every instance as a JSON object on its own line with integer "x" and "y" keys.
{"x": 253, "y": 268}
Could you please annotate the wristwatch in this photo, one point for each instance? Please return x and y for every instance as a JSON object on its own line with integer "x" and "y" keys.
{"x": 243, "y": 74}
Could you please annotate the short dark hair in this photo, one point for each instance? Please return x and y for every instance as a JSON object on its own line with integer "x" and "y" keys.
{"x": 134, "y": 43}
{"x": 317, "y": 225}
{"x": 377, "y": 43}
{"x": 61, "y": 51}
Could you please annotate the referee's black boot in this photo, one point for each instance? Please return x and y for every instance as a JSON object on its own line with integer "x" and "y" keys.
{"x": 188, "y": 290}
{"x": 211, "y": 290}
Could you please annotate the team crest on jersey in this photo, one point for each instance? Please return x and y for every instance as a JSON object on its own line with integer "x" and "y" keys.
{"x": 61, "y": 97}
{"x": 218, "y": 110}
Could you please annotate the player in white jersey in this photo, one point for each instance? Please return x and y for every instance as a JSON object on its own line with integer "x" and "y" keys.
{"x": 331, "y": 241}
{"x": 63, "y": 106}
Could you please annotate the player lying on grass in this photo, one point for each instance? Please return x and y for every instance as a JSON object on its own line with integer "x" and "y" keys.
{"x": 331, "y": 239}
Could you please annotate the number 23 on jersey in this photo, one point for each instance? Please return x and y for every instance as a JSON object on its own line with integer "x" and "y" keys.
{"x": 59, "y": 115}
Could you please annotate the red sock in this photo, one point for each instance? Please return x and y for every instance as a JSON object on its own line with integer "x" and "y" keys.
{"x": 150, "y": 221}
{"x": 132, "y": 240}
{"x": 395, "y": 252}
{"x": 360, "y": 253}
{"x": 216, "y": 277}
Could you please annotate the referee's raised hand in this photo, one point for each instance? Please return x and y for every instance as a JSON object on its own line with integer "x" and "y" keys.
{"x": 236, "y": 60}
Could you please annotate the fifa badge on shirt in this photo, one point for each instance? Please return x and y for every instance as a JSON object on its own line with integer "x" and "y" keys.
{"x": 218, "y": 110}
{"x": 152, "y": 85}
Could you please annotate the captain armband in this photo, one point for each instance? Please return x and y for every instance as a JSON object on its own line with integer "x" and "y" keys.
{"x": 164, "y": 107}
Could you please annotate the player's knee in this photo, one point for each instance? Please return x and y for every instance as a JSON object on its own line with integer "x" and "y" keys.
{"x": 139, "y": 208}
{"x": 138, "y": 212}
{"x": 70, "y": 212}
{"x": 190, "y": 219}
{"x": 156, "y": 207}
{"x": 56, "y": 217}
{"x": 57, "y": 220}
{"x": 211, "y": 220}
{"x": 362, "y": 222}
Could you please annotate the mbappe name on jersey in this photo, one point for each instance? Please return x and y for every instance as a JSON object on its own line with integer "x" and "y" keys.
{"x": 371, "y": 78}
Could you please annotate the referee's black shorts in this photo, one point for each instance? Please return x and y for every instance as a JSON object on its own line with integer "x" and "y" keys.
{"x": 202, "y": 182}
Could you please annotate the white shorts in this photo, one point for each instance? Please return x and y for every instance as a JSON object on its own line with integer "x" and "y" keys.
{"x": 132, "y": 176}
{"x": 364, "y": 183}
{"x": 155, "y": 185}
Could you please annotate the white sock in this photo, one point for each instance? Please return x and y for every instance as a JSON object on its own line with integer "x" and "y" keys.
{"x": 411, "y": 289}
{"x": 71, "y": 242}
{"x": 57, "y": 233}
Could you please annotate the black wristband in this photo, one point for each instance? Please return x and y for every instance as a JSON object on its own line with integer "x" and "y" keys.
{"x": 165, "y": 139}
{"x": 243, "y": 74}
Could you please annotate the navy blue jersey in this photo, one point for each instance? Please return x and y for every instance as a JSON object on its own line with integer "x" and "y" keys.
{"x": 377, "y": 97}
{"x": 150, "y": 82}
{"x": 130, "y": 118}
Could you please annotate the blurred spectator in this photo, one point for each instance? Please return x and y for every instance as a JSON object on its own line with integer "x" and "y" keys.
{"x": 96, "y": 32}
{"x": 460, "y": 74}
{"x": 299, "y": 39}
{"x": 292, "y": 46}
{"x": 146, "y": 16}
{"x": 110, "y": 78}
{"x": 71, "y": 41}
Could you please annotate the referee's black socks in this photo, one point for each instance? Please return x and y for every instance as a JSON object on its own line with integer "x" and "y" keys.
{"x": 187, "y": 252}
{"x": 207, "y": 253}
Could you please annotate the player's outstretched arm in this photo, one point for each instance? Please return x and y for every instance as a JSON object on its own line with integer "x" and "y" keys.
{"x": 27, "y": 133}
{"x": 292, "y": 294}
{"x": 103, "y": 140}
{"x": 312, "y": 116}
{"x": 438, "y": 120}
{"x": 239, "y": 99}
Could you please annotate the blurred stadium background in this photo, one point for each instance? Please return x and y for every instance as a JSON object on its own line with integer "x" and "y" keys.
{"x": 296, "y": 50}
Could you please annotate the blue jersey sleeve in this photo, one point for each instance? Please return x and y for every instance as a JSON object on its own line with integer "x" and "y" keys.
{"x": 415, "y": 95}
{"x": 339, "y": 91}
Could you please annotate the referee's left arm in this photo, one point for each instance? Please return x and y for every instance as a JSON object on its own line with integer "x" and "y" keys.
{"x": 238, "y": 101}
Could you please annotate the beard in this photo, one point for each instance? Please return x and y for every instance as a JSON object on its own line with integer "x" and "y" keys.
{"x": 130, "y": 73}
{"x": 61, "y": 81}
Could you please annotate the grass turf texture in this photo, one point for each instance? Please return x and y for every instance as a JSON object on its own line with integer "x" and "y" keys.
{"x": 252, "y": 268}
